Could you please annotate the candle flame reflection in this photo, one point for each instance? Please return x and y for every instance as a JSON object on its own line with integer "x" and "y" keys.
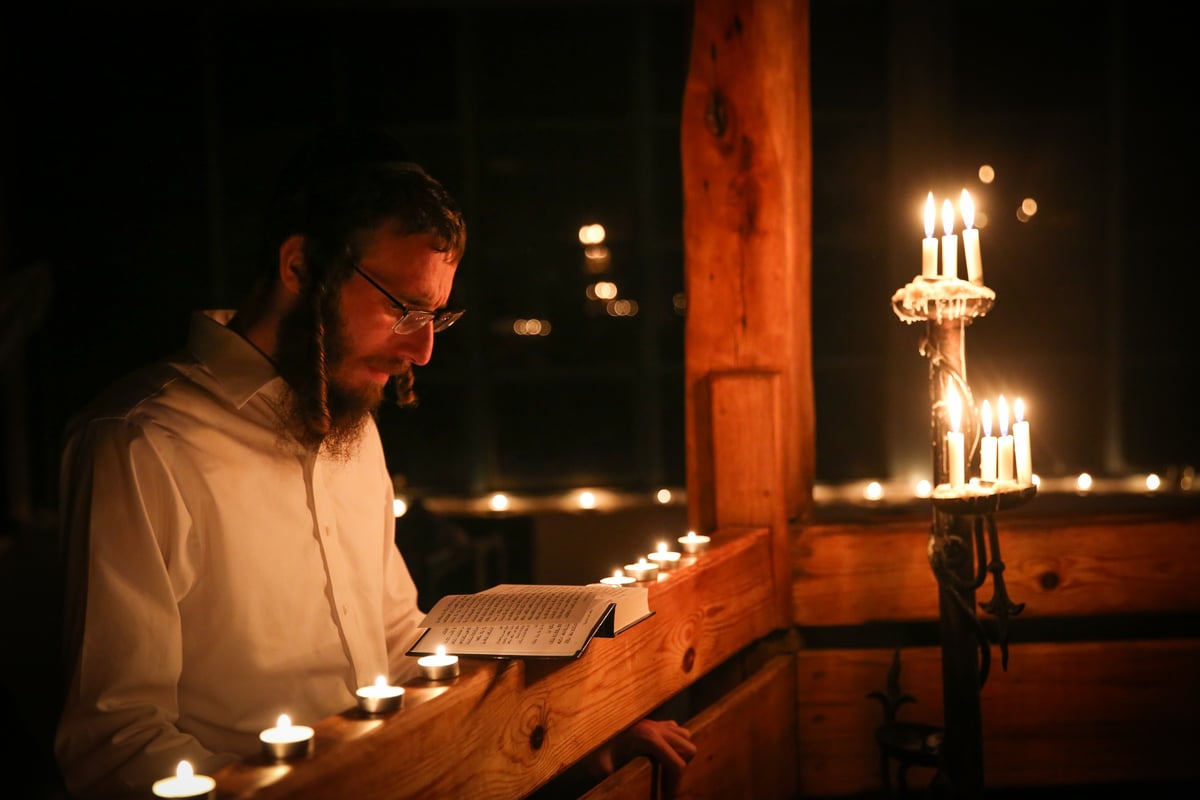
{"x": 947, "y": 217}
{"x": 954, "y": 403}
{"x": 967, "y": 206}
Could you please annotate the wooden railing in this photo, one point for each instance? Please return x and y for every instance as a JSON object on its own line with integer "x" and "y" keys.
{"x": 504, "y": 728}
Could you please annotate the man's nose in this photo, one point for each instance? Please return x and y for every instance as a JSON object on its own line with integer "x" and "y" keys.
{"x": 417, "y": 346}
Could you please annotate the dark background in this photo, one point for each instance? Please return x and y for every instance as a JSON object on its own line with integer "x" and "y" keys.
{"x": 138, "y": 143}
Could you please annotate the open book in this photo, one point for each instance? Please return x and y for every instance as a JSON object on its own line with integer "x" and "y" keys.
{"x": 530, "y": 621}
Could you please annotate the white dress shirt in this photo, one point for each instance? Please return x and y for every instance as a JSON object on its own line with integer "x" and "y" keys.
{"x": 219, "y": 575}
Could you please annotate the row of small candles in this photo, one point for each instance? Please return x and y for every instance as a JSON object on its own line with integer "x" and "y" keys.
{"x": 970, "y": 237}
{"x": 662, "y": 560}
{"x": 287, "y": 741}
{"x": 1003, "y": 458}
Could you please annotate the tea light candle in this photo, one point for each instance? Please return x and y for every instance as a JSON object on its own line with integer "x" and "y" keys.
{"x": 949, "y": 242}
{"x": 693, "y": 542}
{"x": 970, "y": 236}
{"x": 185, "y": 784}
{"x": 643, "y": 570}
{"x": 286, "y": 740}
{"x": 438, "y": 667}
{"x": 954, "y": 442}
{"x": 929, "y": 245}
{"x": 380, "y": 698}
{"x": 666, "y": 559}
{"x": 618, "y": 579}
{"x": 1004, "y": 451}
{"x": 1021, "y": 444}
{"x": 987, "y": 447}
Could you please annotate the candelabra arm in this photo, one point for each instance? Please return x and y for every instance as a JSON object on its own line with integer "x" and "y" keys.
{"x": 944, "y": 554}
{"x": 1000, "y": 606}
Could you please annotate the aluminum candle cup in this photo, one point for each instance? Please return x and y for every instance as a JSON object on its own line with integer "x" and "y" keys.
{"x": 642, "y": 571}
{"x": 286, "y": 741}
{"x": 439, "y": 667}
{"x": 617, "y": 579}
{"x": 380, "y": 698}
{"x": 693, "y": 543}
{"x": 185, "y": 784}
{"x": 666, "y": 559}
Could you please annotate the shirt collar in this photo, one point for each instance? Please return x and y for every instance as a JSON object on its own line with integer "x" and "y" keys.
{"x": 241, "y": 369}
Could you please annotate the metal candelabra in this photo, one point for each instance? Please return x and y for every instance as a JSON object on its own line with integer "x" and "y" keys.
{"x": 963, "y": 548}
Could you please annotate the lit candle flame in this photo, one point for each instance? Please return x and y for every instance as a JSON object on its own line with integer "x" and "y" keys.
{"x": 662, "y": 547}
{"x": 617, "y": 573}
{"x": 1019, "y": 409}
{"x": 1002, "y": 410}
{"x": 968, "y": 209}
{"x": 930, "y": 215}
{"x": 381, "y": 681}
{"x": 986, "y": 414}
{"x": 441, "y": 651}
{"x": 184, "y": 770}
{"x": 284, "y": 721}
{"x": 947, "y": 218}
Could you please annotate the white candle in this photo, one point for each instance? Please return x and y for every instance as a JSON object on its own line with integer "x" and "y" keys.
{"x": 954, "y": 441}
{"x": 286, "y": 740}
{"x": 438, "y": 667}
{"x": 949, "y": 242}
{"x": 987, "y": 447}
{"x": 929, "y": 245}
{"x": 380, "y": 698}
{"x": 971, "y": 241}
{"x": 1004, "y": 453}
{"x": 618, "y": 579}
{"x": 693, "y": 542}
{"x": 666, "y": 559}
{"x": 643, "y": 570}
{"x": 1021, "y": 444}
{"x": 184, "y": 784}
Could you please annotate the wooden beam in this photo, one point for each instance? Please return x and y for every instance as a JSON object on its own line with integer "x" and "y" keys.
{"x": 852, "y": 574}
{"x": 748, "y": 466}
{"x": 747, "y": 184}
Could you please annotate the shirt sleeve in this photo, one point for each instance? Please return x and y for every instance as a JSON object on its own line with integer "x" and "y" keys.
{"x": 126, "y": 540}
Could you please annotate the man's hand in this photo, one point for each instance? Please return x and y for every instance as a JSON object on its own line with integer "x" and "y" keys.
{"x": 666, "y": 742}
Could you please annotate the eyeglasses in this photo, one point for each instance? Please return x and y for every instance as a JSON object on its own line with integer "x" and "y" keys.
{"x": 412, "y": 320}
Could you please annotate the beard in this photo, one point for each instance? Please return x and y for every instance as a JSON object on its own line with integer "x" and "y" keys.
{"x": 321, "y": 409}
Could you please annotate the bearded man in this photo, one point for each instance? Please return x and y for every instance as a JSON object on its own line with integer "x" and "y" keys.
{"x": 227, "y": 512}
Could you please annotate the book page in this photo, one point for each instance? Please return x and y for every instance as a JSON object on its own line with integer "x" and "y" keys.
{"x": 515, "y": 620}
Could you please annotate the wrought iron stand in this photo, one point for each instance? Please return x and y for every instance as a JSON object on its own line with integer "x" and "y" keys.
{"x": 963, "y": 549}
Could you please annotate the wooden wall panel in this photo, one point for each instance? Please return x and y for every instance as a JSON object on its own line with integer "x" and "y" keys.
{"x": 746, "y": 743}
{"x": 1063, "y": 713}
{"x": 851, "y": 574}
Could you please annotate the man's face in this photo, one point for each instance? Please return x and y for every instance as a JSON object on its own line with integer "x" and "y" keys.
{"x": 361, "y": 352}
{"x": 366, "y": 353}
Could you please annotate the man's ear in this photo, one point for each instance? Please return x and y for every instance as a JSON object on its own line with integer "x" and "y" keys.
{"x": 291, "y": 263}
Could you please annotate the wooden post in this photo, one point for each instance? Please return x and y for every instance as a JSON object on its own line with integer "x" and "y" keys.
{"x": 747, "y": 182}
